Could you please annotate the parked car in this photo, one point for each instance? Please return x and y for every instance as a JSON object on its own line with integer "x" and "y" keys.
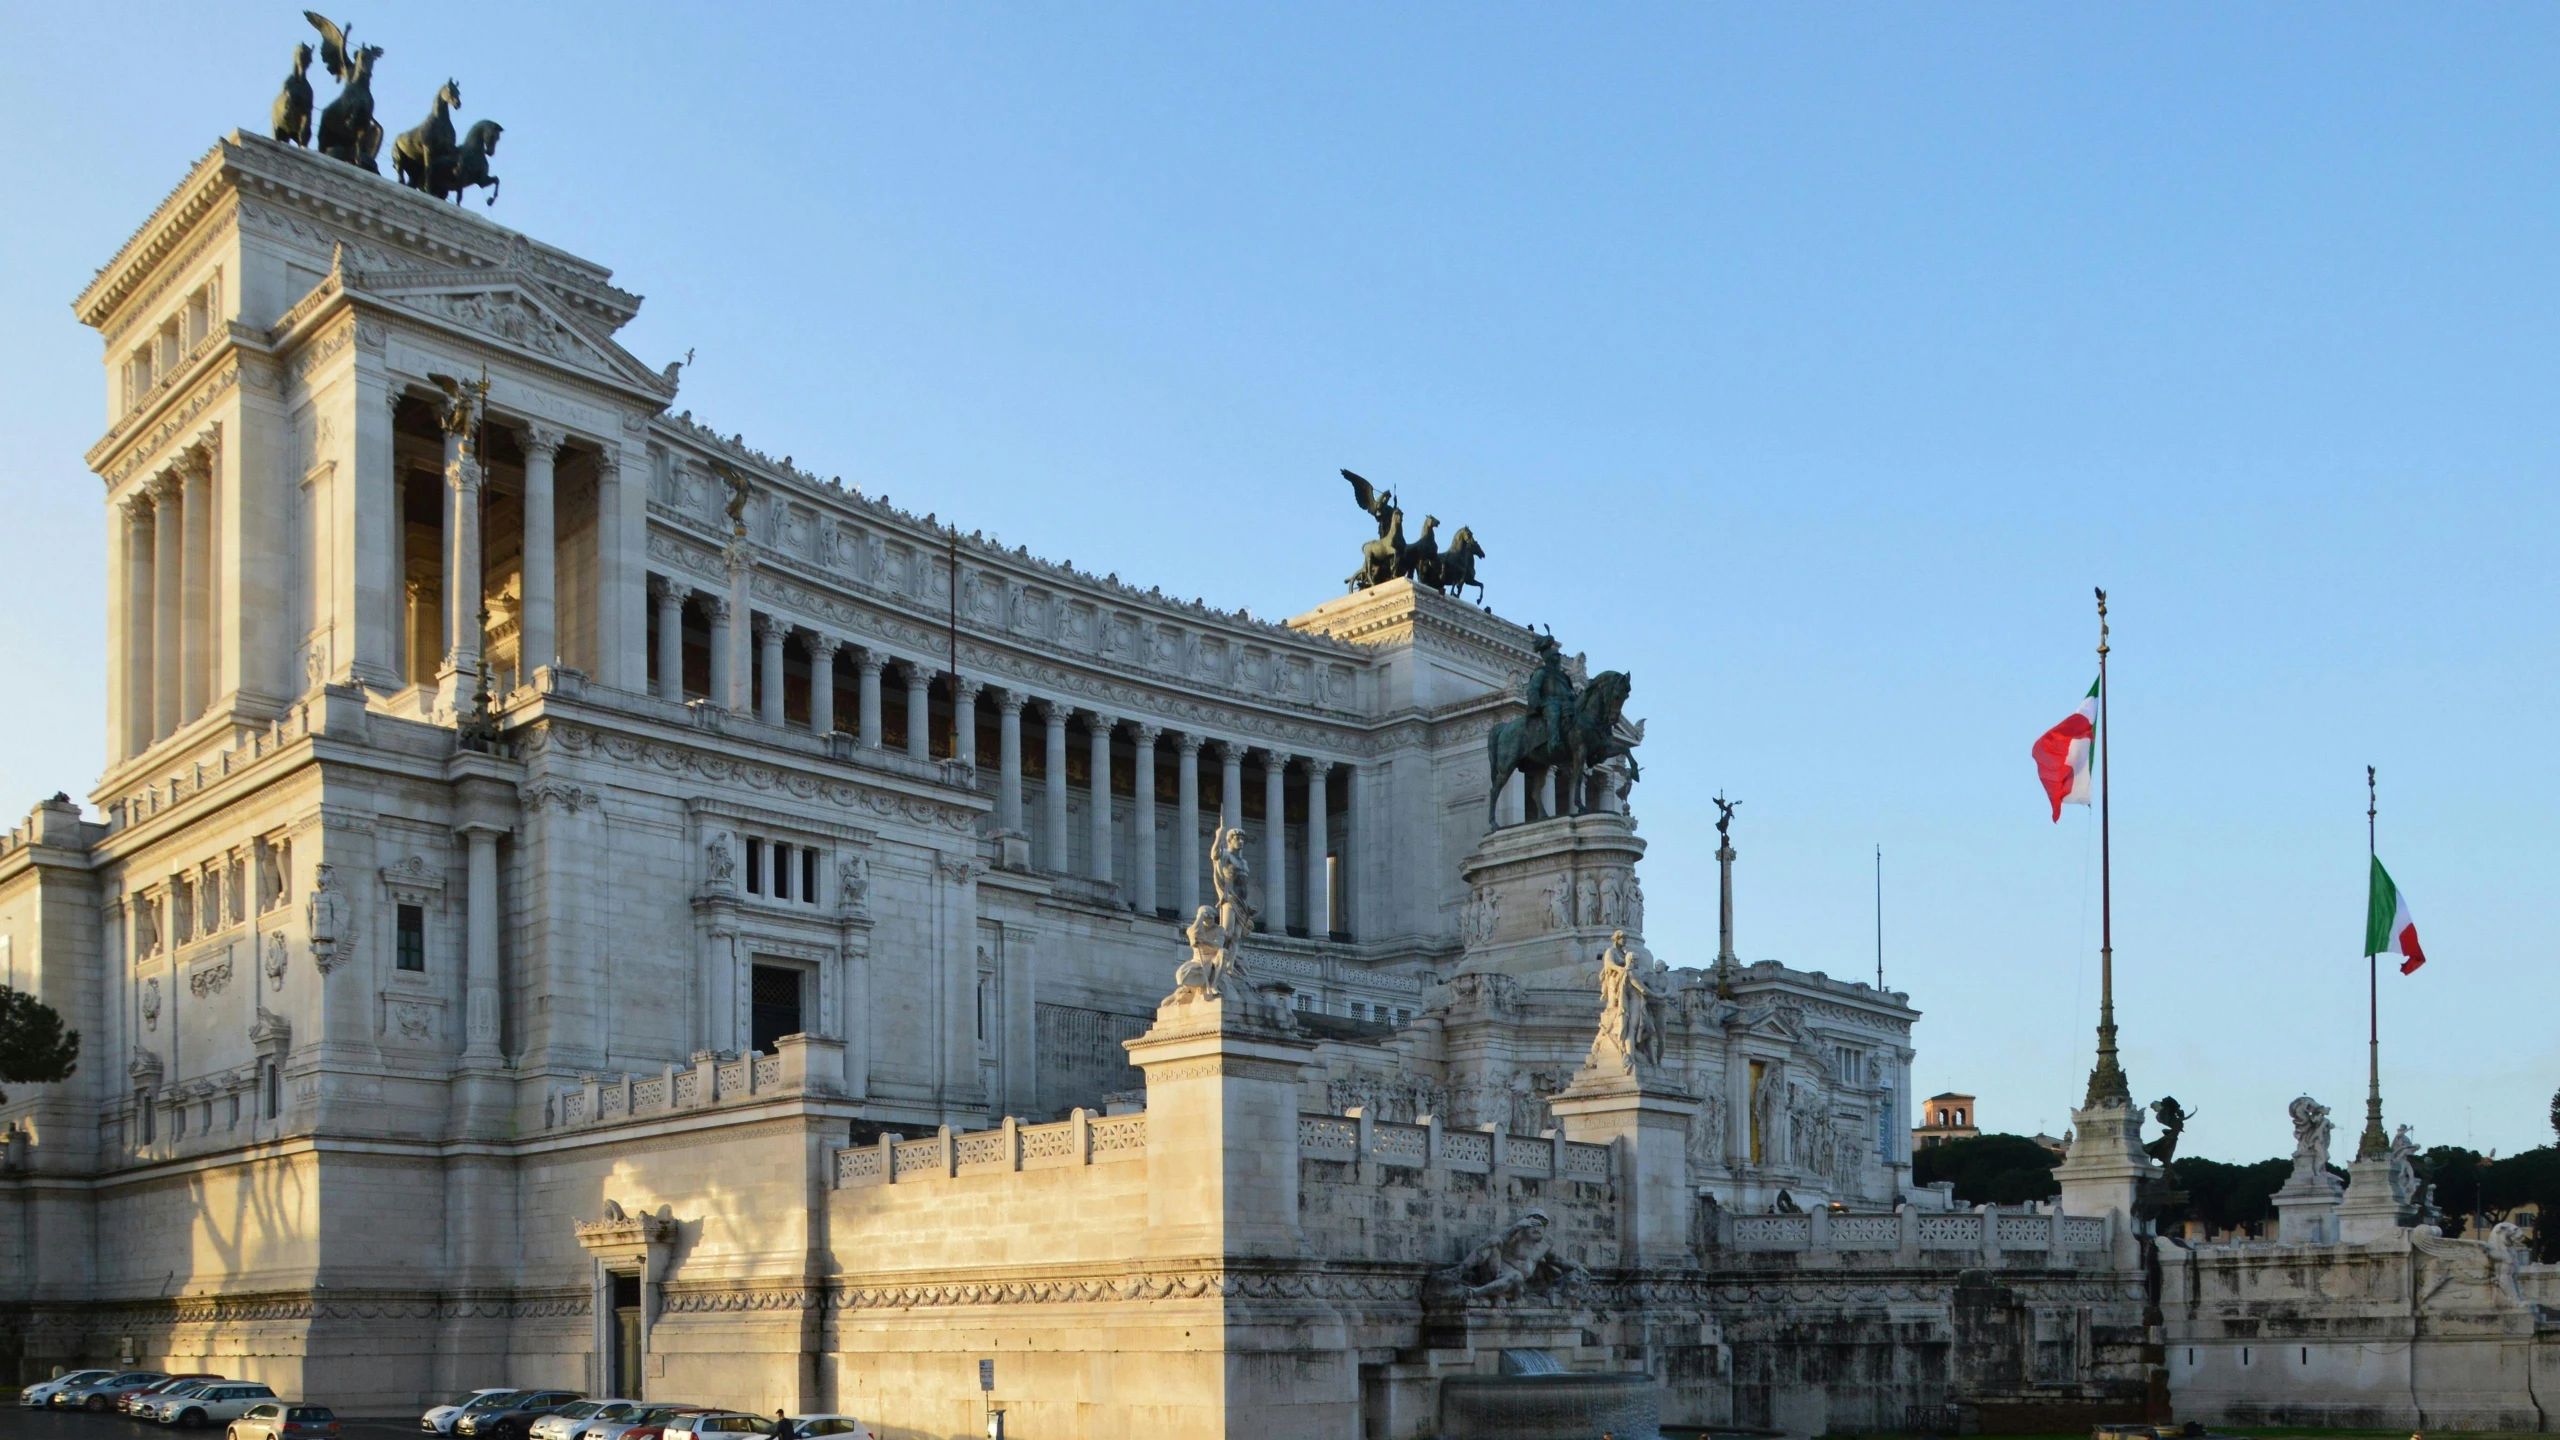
{"x": 717, "y": 1425}
{"x": 135, "y": 1402}
{"x": 808, "y": 1427}
{"x": 213, "y": 1404}
{"x": 282, "y": 1420}
{"x": 100, "y": 1396}
{"x": 649, "y": 1423}
{"x": 441, "y": 1418}
{"x": 510, "y": 1418}
{"x": 41, "y": 1393}
{"x": 583, "y": 1418}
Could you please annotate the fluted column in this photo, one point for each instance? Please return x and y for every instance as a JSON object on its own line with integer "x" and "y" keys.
{"x": 919, "y": 711}
{"x": 769, "y": 633}
{"x": 822, "y": 682}
{"x": 464, "y": 575}
{"x": 1186, "y": 827}
{"x": 195, "y": 682}
{"x": 869, "y": 666}
{"x": 537, "y": 632}
{"x": 1142, "y": 845}
{"x": 1275, "y": 842}
{"x": 670, "y": 601}
{"x": 1054, "y": 790}
{"x": 1319, "y": 894}
{"x": 480, "y": 945}
{"x": 1230, "y": 785}
{"x": 740, "y": 697}
{"x": 138, "y": 619}
{"x": 425, "y": 630}
{"x": 1099, "y": 743}
{"x": 168, "y": 592}
{"x": 715, "y": 610}
{"x": 964, "y": 721}
{"x": 1009, "y": 760}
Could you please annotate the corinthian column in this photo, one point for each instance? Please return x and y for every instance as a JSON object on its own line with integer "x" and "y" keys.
{"x": 919, "y": 711}
{"x": 195, "y": 680}
{"x": 1275, "y": 841}
{"x": 1100, "y": 754}
{"x": 537, "y": 635}
{"x": 1054, "y": 792}
{"x": 869, "y": 669}
{"x": 464, "y": 576}
{"x": 964, "y": 721}
{"x": 1009, "y": 760}
{"x": 168, "y": 590}
{"x": 822, "y": 683}
{"x": 1186, "y": 831}
{"x": 715, "y": 610}
{"x": 769, "y": 633}
{"x": 1319, "y": 893}
{"x": 138, "y": 666}
{"x": 1230, "y": 785}
{"x": 670, "y": 598}
{"x": 1143, "y": 816}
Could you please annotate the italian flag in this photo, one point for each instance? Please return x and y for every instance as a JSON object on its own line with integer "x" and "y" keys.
{"x": 2062, "y": 754}
{"x": 2389, "y": 929}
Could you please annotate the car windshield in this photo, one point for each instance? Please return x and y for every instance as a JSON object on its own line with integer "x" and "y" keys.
{"x": 83, "y": 1377}
{"x": 493, "y": 1401}
{"x": 579, "y": 1411}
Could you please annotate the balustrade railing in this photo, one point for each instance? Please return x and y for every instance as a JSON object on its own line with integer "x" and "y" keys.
{"x": 1080, "y": 1139}
{"x": 1353, "y": 1136}
{"x": 712, "y": 1078}
{"x": 1987, "y": 1233}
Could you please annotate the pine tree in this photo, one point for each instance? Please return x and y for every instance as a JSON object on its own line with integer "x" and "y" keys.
{"x": 34, "y": 1048}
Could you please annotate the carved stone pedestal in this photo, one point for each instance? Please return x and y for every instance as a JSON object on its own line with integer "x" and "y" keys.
{"x": 2307, "y": 1209}
{"x": 1647, "y": 1119}
{"x": 1222, "y": 1128}
{"x": 2106, "y": 1168}
{"x": 1546, "y": 894}
{"x": 2373, "y": 1209}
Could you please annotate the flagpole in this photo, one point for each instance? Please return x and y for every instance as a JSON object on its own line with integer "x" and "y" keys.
{"x": 2373, "y": 1142}
{"x": 2107, "y": 1085}
{"x": 1879, "y": 917}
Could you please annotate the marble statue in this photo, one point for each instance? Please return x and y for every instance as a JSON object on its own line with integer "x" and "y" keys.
{"x": 1628, "y": 1025}
{"x": 1232, "y": 877}
{"x": 348, "y": 130}
{"x": 291, "y": 122}
{"x": 324, "y": 916}
{"x": 1517, "y": 1264}
{"x": 853, "y": 886}
{"x": 2311, "y": 1131}
{"x": 1206, "y": 971}
{"x": 2404, "y": 1169}
{"x": 723, "y": 861}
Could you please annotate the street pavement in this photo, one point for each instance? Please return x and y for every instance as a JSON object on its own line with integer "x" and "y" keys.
{"x": 16, "y": 1422}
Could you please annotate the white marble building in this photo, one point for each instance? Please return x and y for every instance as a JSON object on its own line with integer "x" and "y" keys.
{"x": 906, "y": 813}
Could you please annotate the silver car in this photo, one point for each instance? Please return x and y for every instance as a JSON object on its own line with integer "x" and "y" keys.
{"x": 215, "y": 1403}
{"x": 41, "y": 1393}
{"x": 583, "y": 1419}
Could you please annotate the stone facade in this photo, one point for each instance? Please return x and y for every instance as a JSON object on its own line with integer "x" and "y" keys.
{"x": 737, "y": 1003}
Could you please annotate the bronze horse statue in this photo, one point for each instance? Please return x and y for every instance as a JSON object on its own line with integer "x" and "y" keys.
{"x": 1454, "y": 569}
{"x": 471, "y": 161}
{"x": 347, "y": 128}
{"x": 1591, "y": 739}
{"x": 424, "y": 156}
{"x": 292, "y": 116}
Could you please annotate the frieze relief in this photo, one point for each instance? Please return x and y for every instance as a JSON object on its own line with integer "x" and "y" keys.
{"x": 684, "y": 760}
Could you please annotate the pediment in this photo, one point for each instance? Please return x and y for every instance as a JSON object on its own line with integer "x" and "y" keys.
{"x": 1775, "y": 1024}
{"x": 514, "y": 309}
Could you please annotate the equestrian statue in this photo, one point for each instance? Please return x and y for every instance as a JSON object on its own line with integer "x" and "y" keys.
{"x": 348, "y": 130}
{"x": 1423, "y": 562}
{"x": 1576, "y": 732}
{"x": 292, "y": 117}
{"x": 429, "y": 158}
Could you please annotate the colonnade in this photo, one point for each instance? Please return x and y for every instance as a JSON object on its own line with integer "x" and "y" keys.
{"x": 1280, "y": 769}
{"x": 167, "y": 555}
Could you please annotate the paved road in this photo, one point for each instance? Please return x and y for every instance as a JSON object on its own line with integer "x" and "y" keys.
{"x": 48, "y": 1425}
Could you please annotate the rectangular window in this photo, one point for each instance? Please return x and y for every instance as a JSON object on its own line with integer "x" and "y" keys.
{"x": 274, "y": 1090}
{"x": 774, "y": 993}
{"x": 413, "y": 937}
{"x": 143, "y": 1113}
{"x": 781, "y": 871}
{"x": 755, "y": 867}
{"x": 808, "y": 875}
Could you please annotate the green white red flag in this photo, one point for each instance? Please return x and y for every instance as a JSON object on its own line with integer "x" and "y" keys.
{"x": 2389, "y": 929}
{"x": 2063, "y": 752}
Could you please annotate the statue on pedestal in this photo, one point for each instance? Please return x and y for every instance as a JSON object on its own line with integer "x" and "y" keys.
{"x": 2404, "y": 1169}
{"x": 1629, "y": 1029}
{"x": 1580, "y": 731}
{"x": 2311, "y": 1132}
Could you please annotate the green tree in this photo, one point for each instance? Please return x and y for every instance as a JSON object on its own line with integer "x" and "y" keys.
{"x": 2555, "y": 1114}
{"x": 34, "y": 1048}
{"x": 1990, "y": 1169}
{"x": 2226, "y": 1197}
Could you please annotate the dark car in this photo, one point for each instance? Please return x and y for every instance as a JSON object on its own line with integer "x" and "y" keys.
{"x": 107, "y": 1394}
{"x": 510, "y": 1419}
{"x": 136, "y": 1402}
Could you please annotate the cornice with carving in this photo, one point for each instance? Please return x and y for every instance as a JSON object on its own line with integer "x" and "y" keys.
{"x": 667, "y": 758}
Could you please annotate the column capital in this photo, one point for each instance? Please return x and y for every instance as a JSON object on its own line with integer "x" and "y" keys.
{"x": 714, "y": 607}
{"x": 136, "y": 506}
{"x": 918, "y": 672}
{"x": 609, "y": 464}
{"x": 871, "y": 661}
{"x": 1009, "y": 701}
{"x": 771, "y": 628}
{"x": 1100, "y": 722}
{"x": 1316, "y": 766}
{"x": 165, "y": 488}
{"x": 1055, "y": 712}
{"x": 541, "y": 439}
{"x": 820, "y": 645}
{"x": 662, "y": 589}
{"x": 1275, "y": 759}
{"x": 1190, "y": 744}
{"x": 1144, "y": 733}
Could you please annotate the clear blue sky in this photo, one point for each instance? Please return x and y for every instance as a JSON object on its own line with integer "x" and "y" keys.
{"x": 1810, "y": 363}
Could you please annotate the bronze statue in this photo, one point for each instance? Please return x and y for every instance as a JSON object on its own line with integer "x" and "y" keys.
{"x": 293, "y": 105}
{"x": 1724, "y": 816}
{"x": 460, "y": 413}
{"x": 1573, "y": 732}
{"x": 2173, "y": 1122}
{"x": 347, "y": 128}
{"x": 471, "y": 162}
{"x": 1389, "y": 558}
{"x": 739, "y": 490}
{"x": 423, "y": 157}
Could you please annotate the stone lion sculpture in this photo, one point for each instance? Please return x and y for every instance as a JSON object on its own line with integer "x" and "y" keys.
{"x": 1513, "y": 1265}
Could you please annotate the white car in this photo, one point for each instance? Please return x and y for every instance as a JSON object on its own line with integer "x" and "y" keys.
{"x": 40, "y": 1394}
{"x": 214, "y": 1404}
{"x": 717, "y": 1425}
{"x": 579, "y": 1420}
{"x": 806, "y": 1427}
{"x": 440, "y": 1419}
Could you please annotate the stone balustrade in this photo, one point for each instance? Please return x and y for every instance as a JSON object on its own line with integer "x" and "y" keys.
{"x": 1984, "y": 1235}
{"x": 196, "y": 776}
{"x": 802, "y": 1065}
{"x": 1354, "y": 1136}
{"x": 1083, "y": 1138}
